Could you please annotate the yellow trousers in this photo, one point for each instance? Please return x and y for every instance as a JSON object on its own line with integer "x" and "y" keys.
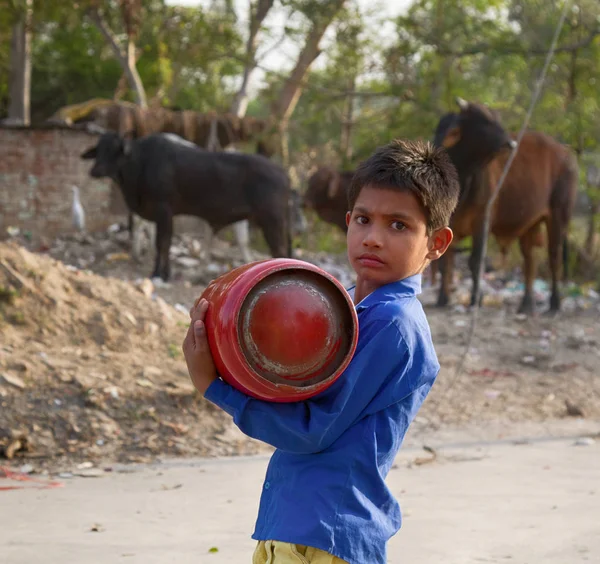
{"x": 275, "y": 552}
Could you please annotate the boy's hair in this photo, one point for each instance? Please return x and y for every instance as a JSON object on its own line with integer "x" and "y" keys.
{"x": 412, "y": 166}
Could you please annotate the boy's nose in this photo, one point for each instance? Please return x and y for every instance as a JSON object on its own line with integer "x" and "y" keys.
{"x": 373, "y": 238}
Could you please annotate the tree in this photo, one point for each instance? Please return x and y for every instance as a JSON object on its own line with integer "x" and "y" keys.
{"x": 258, "y": 12}
{"x": 131, "y": 14}
{"x": 347, "y": 63}
{"x": 320, "y": 15}
{"x": 20, "y": 64}
{"x": 194, "y": 54}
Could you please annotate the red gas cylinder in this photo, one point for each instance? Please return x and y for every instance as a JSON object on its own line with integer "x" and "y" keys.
{"x": 280, "y": 330}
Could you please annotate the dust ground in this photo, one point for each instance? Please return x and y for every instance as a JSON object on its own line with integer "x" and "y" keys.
{"x": 494, "y": 502}
{"x": 94, "y": 394}
{"x": 92, "y": 370}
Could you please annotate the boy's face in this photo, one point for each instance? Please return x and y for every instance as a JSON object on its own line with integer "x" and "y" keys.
{"x": 387, "y": 237}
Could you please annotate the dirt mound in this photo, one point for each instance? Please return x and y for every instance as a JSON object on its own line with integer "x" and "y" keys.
{"x": 53, "y": 303}
{"x": 91, "y": 367}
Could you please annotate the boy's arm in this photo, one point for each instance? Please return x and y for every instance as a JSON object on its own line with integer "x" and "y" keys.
{"x": 312, "y": 425}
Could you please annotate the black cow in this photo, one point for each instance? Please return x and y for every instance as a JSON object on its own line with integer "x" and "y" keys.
{"x": 162, "y": 176}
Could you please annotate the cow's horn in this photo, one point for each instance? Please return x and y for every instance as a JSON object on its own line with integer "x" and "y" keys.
{"x": 462, "y": 103}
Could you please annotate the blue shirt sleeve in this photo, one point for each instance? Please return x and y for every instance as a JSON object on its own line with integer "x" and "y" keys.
{"x": 310, "y": 426}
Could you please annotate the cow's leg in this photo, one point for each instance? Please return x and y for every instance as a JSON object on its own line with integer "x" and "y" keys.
{"x": 446, "y": 267}
{"x": 207, "y": 239}
{"x": 478, "y": 241}
{"x": 150, "y": 229}
{"x": 164, "y": 234}
{"x": 274, "y": 229}
{"x": 130, "y": 223}
{"x": 433, "y": 270}
{"x": 136, "y": 225}
{"x": 142, "y": 234}
{"x": 556, "y": 235}
{"x": 527, "y": 244}
{"x": 241, "y": 230}
{"x": 503, "y": 258}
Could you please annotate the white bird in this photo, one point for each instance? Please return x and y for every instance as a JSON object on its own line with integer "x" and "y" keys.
{"x": 78, "y": 214}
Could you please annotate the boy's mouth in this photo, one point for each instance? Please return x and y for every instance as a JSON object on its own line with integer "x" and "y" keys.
{"x": 368, "y": 259}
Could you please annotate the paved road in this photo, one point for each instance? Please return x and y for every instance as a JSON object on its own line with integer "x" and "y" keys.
{"x": 501, "y": 503}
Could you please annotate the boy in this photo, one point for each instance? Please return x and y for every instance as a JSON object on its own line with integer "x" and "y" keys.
{"x": 324, "y": 499}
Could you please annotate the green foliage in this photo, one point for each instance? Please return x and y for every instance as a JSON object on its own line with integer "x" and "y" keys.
{"x": 70, "y": 64}
{"x": 187, "y": 56}
{"x": 368, "y": 84}
{"x": 193, "y": 56}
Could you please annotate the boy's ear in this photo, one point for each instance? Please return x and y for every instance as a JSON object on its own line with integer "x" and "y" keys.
{"x": 348, "y": 215}
{"x": 439, "y": 241}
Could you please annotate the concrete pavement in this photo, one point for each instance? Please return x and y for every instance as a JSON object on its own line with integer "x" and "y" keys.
{"x": 481, "y": 503}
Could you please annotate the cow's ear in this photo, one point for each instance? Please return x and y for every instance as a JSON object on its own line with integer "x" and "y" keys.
{"x": 90, "y": 153}
{"x": 452, "y": 137}
{"x": 462, "y": 103}
{"x": 333, "y": 186}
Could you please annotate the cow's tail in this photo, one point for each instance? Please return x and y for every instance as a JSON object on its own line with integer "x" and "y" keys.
{"x": 562, "y": 202}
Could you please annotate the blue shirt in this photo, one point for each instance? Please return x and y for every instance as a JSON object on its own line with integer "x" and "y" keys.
{"x": 325, "y": 484}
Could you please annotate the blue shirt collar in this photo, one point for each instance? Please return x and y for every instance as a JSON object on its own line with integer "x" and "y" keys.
{"x": 407, "y": 287}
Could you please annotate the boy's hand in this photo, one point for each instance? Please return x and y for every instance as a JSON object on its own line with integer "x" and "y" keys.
{"x": 196, "y": 350}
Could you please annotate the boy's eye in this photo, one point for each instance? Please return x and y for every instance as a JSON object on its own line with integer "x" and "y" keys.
{"x": 361, "y": 219}
{"x": 398, "y": 225}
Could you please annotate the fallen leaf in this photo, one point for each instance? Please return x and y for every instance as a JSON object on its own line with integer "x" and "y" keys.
{"x": 89, "y": 473}
{"x": 85, "y": 465}
{"x": 130, "y": 318}
{"x": 144, "y": 383}
{"x": 13, "y": 380}
{"x": 179, "y": 428}
{"x": 13, "y": 447}
{"x": 117, "y": 256}
{"x": 175, "y": 487}
{"x": 419, "y": 461}
{"x": 573, "y": 410}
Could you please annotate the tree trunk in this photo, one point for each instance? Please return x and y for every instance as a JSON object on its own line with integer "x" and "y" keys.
{"x": 126, "y": 60}
{"x": 347, "y": 123}
{"x": 292, "y": 89}
{"x": 123, "y": 83}
{"x": 134, "y": 77}
{"x": 121, "y": 88}
{"x": 20, "y": 68}
{"x": 257, "y": 16}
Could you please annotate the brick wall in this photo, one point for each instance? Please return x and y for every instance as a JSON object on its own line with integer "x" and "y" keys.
{"x": 37, "y": 169}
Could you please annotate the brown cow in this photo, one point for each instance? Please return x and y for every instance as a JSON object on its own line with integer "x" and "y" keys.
{"x": 327, "y": 195}
{"x": 540, "y": 187}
